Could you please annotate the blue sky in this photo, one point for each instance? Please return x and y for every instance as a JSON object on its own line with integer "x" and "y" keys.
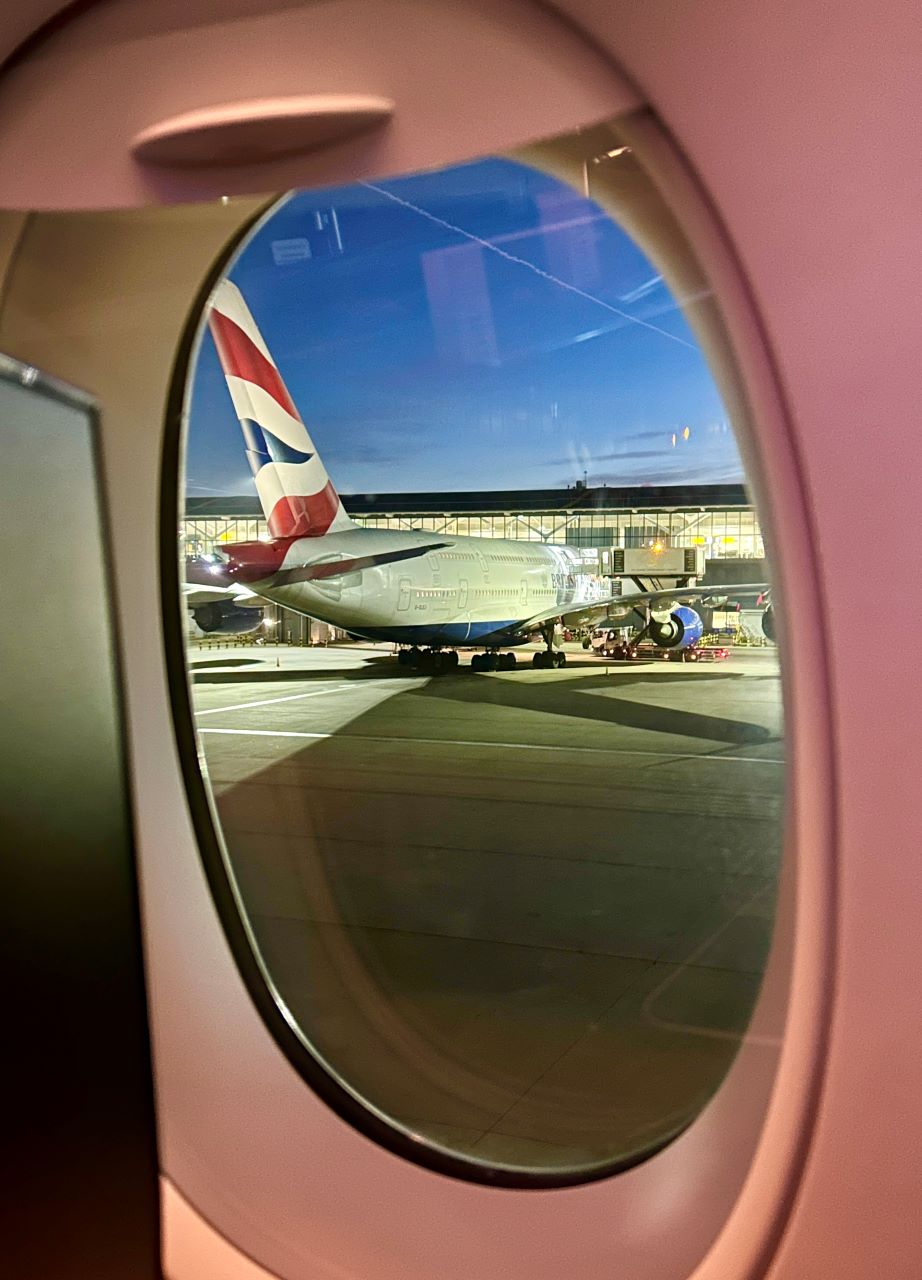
{"x": 480, "y": 327}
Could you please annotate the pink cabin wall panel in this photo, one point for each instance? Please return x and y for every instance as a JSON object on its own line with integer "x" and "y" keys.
{"x": 22, "y": 20}
{"x": 473, "y": 79}
{"x": 796, "y": 118}
{"x": 652, "y": 1222}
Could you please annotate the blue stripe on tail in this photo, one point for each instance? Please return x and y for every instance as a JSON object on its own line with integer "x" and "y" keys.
{"x": 262, "y": 447}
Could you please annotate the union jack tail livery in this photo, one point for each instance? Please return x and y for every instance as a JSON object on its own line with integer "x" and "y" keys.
{"x": 296, "y": 493}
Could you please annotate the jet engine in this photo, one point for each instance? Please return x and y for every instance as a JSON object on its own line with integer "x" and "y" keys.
{"x": 768, "y": 624}
{"x": 678, "y": 629}
{"x": 223, "y": 617}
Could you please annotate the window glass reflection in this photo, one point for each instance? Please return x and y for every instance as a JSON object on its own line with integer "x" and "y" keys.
{"x": 490, "y": 719}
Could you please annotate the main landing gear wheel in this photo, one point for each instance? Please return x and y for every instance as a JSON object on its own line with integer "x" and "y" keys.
{"x": 430, "y": 662}
{"x": 546, "y": 659}
{"x": 440, "y": 662}
{"x": 493, "y": 661}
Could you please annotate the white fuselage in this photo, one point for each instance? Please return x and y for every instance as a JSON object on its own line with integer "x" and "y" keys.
{"x": 465, "y": 591}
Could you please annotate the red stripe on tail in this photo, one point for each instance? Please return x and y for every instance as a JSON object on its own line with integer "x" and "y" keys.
{"x": 299, "y": 516}
{"x": 242, "y": 358}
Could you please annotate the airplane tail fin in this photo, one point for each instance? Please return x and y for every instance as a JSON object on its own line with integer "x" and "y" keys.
{"x": 297, "y": 495}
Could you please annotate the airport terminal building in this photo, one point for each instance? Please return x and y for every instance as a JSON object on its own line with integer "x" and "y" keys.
{"x": 719, "y": 518}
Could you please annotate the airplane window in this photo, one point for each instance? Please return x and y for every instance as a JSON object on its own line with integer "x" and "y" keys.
{"x": 501, "y": 827}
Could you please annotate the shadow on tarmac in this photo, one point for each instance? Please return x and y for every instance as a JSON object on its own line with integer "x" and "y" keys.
{"x": 378, "y": 666}
{"x": 593, "y": 698}
{"x": 431, "y": 944}
{"x": 226, "y": 662}
{"x": 559, "y": 697}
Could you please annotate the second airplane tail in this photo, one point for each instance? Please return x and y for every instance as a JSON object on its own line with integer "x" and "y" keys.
{"x": 297, "y": 495}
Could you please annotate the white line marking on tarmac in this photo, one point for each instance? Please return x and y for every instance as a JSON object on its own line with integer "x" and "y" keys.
{"x": 291, "y": 697}
{"x": 267, "y": 702}
{"x": 513, "y": 746}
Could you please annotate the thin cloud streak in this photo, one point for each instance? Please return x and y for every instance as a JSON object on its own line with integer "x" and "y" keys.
{"x": 530, "y": 266}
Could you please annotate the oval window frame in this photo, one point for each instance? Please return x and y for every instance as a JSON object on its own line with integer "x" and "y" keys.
{"x": 711, "y": 250}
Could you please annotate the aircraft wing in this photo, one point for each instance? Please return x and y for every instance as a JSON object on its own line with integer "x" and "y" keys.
{"x": 334, "y": 566}
{"x": 194, "y": 595}
{"x": 618, "y": 606}
{"x": 207, "y": 583}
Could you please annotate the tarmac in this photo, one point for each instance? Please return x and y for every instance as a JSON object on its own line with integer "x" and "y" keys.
{"x": 524, "y": 914}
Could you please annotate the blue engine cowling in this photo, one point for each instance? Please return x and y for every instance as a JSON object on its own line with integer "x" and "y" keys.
{"x": 681, "y": 630}
{"x": 223, "y": 618}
